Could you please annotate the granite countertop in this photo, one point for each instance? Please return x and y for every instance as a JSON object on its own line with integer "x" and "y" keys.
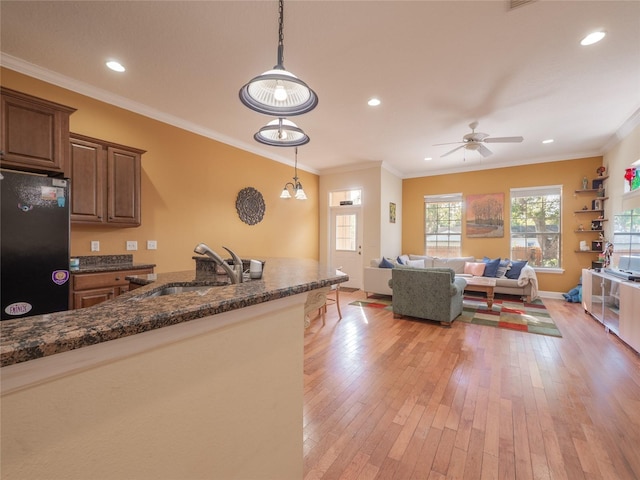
{"x": 28, "y": 338}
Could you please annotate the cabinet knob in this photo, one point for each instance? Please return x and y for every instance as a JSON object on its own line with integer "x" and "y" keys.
{"x": 117, "y": 279}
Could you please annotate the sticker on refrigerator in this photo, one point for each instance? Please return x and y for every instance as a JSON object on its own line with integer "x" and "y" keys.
{"x": 25, "y": 208}
{"x": 60, "y": 277}
{"x": 18, "y": 308}
{"x": 49, "y": 193}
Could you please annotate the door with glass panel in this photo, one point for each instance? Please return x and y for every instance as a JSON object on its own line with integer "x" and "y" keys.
{"x": 346, "y": 243}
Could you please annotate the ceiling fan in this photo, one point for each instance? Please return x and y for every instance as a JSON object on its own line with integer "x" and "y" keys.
{"x": 476, "y": 140}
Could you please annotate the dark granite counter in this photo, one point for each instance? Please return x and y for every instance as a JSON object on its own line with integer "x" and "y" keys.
{"x": 138, "y": 311}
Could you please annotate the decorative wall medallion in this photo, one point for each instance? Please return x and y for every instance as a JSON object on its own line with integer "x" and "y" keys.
{"x": 250, "y": 206}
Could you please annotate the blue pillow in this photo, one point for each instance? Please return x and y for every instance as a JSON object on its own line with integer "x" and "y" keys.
{"x": 516, "y": 267}
{"x": 490, "y": 267}
{"x": 399, "y": 260}
{"x": 385, "y": 263}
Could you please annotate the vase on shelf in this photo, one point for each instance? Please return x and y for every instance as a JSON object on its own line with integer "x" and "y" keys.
{"x": 585, "y": 183}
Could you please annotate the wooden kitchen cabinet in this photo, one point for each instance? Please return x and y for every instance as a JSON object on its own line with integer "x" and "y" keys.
{"x": 89, "y": 289}
{"x": 105, "y": 182}
{"x": 35, "y": 133}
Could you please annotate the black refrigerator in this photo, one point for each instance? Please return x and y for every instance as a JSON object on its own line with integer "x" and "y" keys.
{"x": 34, "y": 244}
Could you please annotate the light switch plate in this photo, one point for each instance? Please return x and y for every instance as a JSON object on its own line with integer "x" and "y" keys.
{"x": 132, "y": 245}
{"x": 95, "y": 246}
{"x": 152, "y": 245}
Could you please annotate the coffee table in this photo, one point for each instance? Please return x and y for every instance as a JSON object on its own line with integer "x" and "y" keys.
{"x": 483, "y": 285}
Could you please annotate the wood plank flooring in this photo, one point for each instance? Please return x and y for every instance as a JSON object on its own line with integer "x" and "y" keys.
{"x": 389, "y": 398}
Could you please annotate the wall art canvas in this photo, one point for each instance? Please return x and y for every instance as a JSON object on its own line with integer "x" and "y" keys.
{"x": 485, "y": 215}
{"x": 392, "y": 212}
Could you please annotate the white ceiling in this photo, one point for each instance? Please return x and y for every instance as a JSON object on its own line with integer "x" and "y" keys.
{"x": 436, "y": 65}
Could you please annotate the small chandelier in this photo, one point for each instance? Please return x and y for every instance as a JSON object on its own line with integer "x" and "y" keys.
{"x": 296, "y": 186}
{"x": 281, "y": 133}
{"x": 278, "y": 92}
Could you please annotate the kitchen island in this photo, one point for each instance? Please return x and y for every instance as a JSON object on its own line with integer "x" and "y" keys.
{"x": 202, "y": 384}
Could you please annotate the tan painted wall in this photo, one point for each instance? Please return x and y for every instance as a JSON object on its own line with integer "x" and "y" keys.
{"x": 189, "y": 189}
{"x": 567, "y": 173}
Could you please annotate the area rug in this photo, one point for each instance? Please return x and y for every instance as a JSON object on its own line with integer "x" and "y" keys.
{"x": 507, "y": 312}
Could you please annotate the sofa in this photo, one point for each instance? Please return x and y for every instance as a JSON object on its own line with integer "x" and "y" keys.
{"x": 429, "y": 293}
{"x": 376, "y": 279}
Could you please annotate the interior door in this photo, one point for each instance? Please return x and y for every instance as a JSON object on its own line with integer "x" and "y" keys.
{"x": 346, "y": 243}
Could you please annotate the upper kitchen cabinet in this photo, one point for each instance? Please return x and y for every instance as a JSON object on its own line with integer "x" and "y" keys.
{"x": 35, "y": 133}
{"x": 105, "y": 182}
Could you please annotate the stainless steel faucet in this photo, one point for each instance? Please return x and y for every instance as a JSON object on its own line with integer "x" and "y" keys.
{"x": 235, "y": 276}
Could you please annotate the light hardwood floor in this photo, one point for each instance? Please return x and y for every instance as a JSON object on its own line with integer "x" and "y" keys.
{"x": 393, "y": 398}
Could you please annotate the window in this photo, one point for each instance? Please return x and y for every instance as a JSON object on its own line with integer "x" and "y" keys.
{"x": 626, "y": 237}
{"x": 346, "y": 229}
{"x": 535, "y": 225}
{"x": 347, "y": 197}
{"x": 443, "y": 225}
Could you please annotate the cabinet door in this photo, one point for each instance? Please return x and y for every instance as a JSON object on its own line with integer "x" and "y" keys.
{"x": 586, "y": 291}
{"x": 35, "y": 133}
{"x": 123, "y": 172}
{"x": 88, "y": 298}
{"x": 629, "y": 318}
{"x": 87, "y": 167}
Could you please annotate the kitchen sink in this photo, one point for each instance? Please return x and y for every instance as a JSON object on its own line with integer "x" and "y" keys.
{"x": 173, "y": 290}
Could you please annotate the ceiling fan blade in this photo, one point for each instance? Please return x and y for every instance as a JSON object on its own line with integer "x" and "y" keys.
{"x": 484, "y": 151}
{"x": 451, "y": 151}
{"x": 450, "y": 143}
{"x": 503, "y": 140}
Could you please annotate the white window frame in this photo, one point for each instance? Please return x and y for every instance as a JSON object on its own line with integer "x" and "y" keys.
{"x": 450, "y": 198}
{"x": 537, "y": 251}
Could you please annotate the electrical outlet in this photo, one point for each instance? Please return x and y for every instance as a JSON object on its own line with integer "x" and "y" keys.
{"x": 152, "y": 245}
{"x": 95, "y": 246}
{"x": 132, "y": 245}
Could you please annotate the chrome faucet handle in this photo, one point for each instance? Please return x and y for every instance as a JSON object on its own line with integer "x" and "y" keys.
{"x": 237, "y": 264}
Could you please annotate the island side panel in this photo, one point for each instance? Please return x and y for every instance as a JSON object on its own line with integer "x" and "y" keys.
{"x": 222, "y": 404}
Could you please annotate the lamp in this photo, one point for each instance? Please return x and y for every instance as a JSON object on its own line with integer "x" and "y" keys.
{"x": 296, "y": 186}
{"x": 278, "y": 92}
{"x": 281, "y": 133}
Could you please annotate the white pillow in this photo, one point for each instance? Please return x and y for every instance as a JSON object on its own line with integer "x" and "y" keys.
{"x": 415, "y": 263}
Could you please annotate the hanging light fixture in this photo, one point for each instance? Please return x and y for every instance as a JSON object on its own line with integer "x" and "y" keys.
{"x": 281, "y": 133}
{"x": 278, "y": 92}
{"x": 296, "y": 186}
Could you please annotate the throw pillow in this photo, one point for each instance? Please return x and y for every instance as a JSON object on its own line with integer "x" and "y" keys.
{"x": 474, "y": 268}
{"x": 415, "y": 263}
{"x": 503, "y": 267}
{"x": 399, "y": 260}
{"x": 403, "y": 259}
{"x": 491, "y": 267}
{"x": 384, "y": 263}
{"x": 516, "y": 267}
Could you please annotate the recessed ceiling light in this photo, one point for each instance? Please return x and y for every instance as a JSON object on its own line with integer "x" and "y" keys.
{"x": 373, "y": 102}
{"x": 115, "y": 66}
{"x": 592, "y": 38}
{"x": 548, "y": 140}
{"x": 428, "y": 158}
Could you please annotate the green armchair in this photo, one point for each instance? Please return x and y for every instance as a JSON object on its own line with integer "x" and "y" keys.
{"x": 429, "y": 293}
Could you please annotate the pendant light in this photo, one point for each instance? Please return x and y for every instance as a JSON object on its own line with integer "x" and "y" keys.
{"x": 278, "y": 92}
{"x": 296, "y": 186}
{"x": 281, "y": 133}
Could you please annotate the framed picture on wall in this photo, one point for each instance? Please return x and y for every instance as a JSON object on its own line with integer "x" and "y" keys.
{"x": 392, "y": 212}
{"x": 485, "y": 215}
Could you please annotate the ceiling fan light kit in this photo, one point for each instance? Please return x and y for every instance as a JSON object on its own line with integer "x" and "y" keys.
{"x": 476, "y": 140}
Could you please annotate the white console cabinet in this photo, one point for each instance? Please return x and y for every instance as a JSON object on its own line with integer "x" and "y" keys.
{"x": 615, "y": 303}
